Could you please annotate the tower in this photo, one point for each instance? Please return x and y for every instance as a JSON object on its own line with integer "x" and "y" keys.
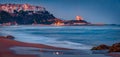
{"x": 79, "y": 18}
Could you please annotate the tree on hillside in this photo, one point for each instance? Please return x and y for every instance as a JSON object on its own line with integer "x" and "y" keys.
{"x": 5, "y": 17}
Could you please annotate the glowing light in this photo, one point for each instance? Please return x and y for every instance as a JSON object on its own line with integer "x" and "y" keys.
{"x": 57, "y": 53}
{"x": 79, "y": 18}
{"x": 58, "y": 23}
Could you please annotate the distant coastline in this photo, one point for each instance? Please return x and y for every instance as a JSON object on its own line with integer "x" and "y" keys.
{"x": 26, "y": 14}
{"x": 67, "y": 25}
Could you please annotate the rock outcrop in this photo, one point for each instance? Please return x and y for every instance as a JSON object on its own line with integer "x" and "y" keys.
{"x": 7, "y": 37}
{"x": 10, "y": 37}
{"x": 101, "y": 47}
{"x": 75, "y": 22}
{"x": 114, "y": 48}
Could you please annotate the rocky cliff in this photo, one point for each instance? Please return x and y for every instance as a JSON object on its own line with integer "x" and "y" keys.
{"x": 11, "y": 14}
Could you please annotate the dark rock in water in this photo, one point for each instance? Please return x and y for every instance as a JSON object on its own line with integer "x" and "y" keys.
{"x": 100, "y": 47}
{"x": 115, "y": 48}
{"x": 10, "y": 37}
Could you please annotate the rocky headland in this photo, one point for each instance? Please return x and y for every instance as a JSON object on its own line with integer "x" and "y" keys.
{"x": 26, "y": 14}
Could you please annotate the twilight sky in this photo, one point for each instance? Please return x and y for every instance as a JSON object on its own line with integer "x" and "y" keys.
{"x": 94, "y": 11}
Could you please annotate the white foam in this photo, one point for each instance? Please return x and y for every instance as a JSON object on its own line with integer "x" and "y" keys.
{"x": 71, "y": 45}
{"x": 24, "y": 37}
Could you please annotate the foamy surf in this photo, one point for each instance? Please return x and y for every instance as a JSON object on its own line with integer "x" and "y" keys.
{"x": 71, "y": 45}
{"x": 74, "y": 37}
{"x": 30, "y": 38}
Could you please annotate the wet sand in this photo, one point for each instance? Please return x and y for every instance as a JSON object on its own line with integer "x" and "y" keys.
{"x": 5, "y": 44}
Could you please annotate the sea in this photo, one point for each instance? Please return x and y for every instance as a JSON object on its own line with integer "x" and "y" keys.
{"x": 73, "y": 37}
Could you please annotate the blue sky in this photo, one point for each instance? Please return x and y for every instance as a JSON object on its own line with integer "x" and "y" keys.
{"x": 94, "y": 11}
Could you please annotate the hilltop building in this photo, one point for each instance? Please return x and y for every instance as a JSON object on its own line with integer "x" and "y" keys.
{"x": 79, "y": 18}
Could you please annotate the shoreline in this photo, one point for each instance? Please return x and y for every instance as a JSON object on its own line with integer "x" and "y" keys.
{"x": 67, "y": 25}
{"x": 5, "y": 44}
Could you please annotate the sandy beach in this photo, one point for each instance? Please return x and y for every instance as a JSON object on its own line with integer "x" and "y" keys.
{"x": 5, "y": 44}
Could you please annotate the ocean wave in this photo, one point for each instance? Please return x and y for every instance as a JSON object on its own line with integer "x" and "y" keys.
{"x": 19, "y": 36}
{"x": 69, "y": 44}
{"x": 53, "y": 35}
